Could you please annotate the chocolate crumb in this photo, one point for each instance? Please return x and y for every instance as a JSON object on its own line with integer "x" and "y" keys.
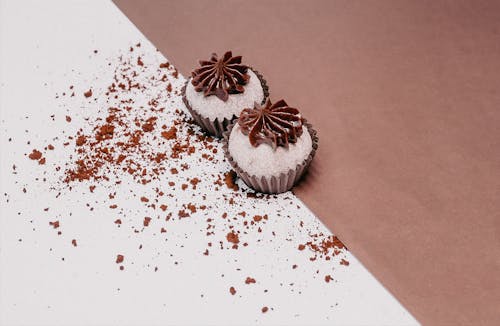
{"x": 249, "y": 280}
{"x": 119, "y": 259}
{"x": 229, "y": 179}
{"x": 35, "y": 155}
{"x": 232, "y": 237}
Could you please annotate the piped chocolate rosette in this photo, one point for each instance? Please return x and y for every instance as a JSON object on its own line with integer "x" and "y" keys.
{"x": 270, "y": 146}
{"x": 219, "y": 88}
{"x": 221, "y": 77}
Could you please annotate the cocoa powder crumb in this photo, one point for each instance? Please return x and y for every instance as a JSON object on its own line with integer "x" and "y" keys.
{"x": 182, "y": 214}
{"x": 344, "y": 262}
{"x": 54, "y": 224}
{"x": 80, "y": 141}
{"x": 119, "y": 259}
{"x": 35, "y": 155}
{"x": 257, "y": 218}
{"x": 230, "y": 179}
{"x": 232, "y": 290}
{"x": 249, "y": 280}
{"x": 147, "y": 127}
{"x": 88, "y": 93}
{"x": 232, "y": 237}
{"x": 73, "y": 242}
{"x": 264, "y": 309}
{"x": 170, "y": 133}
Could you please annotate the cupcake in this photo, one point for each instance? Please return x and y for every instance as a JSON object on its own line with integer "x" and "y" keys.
{"x": 219, "y": 89}
{"x": 270, "y": 146}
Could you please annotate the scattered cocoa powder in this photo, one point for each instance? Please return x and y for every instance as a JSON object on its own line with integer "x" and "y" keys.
{"x": 128, "y": 142}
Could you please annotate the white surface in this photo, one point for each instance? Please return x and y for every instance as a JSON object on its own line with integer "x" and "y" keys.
{"x": 44, "y": 47}
{"x": 263, "y": 160}
{"x": 212, "y": 107}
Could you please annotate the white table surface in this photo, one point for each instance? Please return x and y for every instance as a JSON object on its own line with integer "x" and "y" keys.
{"x": 44, "y": 48}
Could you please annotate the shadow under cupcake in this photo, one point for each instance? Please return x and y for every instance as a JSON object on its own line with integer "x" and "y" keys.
{"x": 219, "y": 89}
{"x": 270, "y": 146}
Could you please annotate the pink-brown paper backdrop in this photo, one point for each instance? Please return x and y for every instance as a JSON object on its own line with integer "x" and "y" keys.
{"x": 406, "y": 99}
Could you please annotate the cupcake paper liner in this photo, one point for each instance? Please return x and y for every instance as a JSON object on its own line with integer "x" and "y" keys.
{"x": 217, "y": 127}
{"x": 273, "y": 184}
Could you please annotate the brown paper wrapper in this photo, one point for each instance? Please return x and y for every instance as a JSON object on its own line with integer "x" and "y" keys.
{"x": 217, "y": 127}
{"x": 274, "y": 184}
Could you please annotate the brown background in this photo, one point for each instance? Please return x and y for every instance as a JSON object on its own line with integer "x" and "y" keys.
{"x": 406, "y": 98}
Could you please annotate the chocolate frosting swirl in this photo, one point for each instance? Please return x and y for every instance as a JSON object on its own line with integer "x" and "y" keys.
{"x": 274, "y": 124}
{"x": 220, "y": 77}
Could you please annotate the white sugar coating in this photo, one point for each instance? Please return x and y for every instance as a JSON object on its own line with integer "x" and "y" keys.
{"x": 263, "y": 160}
{"x": 212, "y": 107}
